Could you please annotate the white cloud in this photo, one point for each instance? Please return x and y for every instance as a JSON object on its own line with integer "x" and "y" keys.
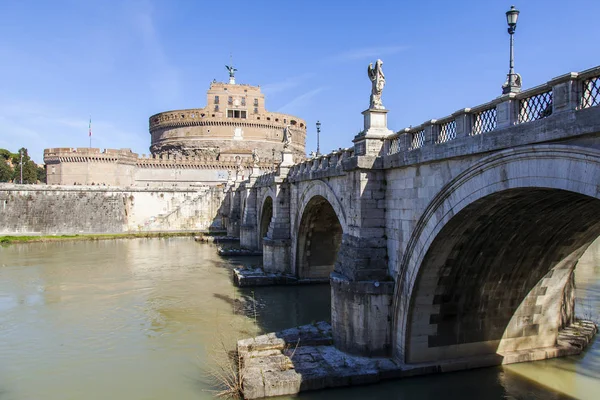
{"x": 289, "y": 83}
{"x": 300, "y": 101}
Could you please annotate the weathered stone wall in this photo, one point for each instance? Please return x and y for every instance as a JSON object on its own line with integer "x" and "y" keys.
{"x": 90, "y": 166}
{"x": 90, "y": 209}
{"x": 178, "y": 177}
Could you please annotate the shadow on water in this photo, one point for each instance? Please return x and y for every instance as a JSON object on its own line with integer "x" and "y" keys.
{"x": 277, "y": 307}
{"x": 486, "y": 383}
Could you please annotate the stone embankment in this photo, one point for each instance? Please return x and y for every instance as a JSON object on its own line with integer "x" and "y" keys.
{"x": 235, "y": 252}
{"x": 216, "y": 239}
{"x": 304, "y": 358}
{"x": 47, "y": 209}
{"x": 248, "y": 277}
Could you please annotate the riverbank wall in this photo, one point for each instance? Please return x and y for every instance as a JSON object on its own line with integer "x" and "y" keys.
{"x": 47, "y": 209}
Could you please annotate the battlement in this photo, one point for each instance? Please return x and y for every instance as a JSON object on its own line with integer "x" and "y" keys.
{"x": 203, "y": 117}
{"x": 86, "y": 154}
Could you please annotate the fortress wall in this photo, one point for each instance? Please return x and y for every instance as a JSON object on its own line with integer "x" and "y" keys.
{"x": 90, "y": 172}
{"x": 32, "y": 209}
{"x": 177, "y": 177}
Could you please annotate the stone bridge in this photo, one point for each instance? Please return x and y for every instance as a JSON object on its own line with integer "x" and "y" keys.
{"x": 453, "y": 240}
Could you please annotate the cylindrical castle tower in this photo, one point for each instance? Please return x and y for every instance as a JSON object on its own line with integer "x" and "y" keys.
{"x": 234, "y": 121}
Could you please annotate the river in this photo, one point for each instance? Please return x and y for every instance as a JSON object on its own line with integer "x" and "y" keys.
{"x": 149, "y": 318}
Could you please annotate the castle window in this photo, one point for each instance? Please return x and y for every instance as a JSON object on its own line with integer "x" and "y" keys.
{"x": 255, "y": 102}
{"x": 243, "y": 101}
{"x": 53, "y": 169}
{"x": 230, "y": 100}
{"x": 216, "y": 109}
{"x": 216, "y": 99}
{"x": 236, "y": 114}
{"x": 255, "y": 110}
{"x": 268, "y": 118}
{"x": 293, "y": 122}
{"x": 276, "y": 119}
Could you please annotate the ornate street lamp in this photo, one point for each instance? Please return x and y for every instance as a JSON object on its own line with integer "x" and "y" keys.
{"x": 513, "y": 81}
{"x": 318, "y": 133}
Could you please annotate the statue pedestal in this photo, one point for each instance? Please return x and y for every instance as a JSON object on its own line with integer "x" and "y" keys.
{"x": 254, "y": 174}
{"x": 370, "y": 140}
{"x": 287, "y": 158}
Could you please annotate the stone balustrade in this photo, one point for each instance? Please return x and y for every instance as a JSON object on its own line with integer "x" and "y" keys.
{"x": 569, "y": 92}
{"x": 321, "y": 166}
{"x": 267, "y": 179}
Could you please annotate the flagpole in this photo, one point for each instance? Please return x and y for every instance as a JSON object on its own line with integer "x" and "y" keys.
{"x": 90, "y": 132}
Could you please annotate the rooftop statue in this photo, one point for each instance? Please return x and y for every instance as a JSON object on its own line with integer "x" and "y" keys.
{"x": 287, "y": 137}
{"x": 378, "y": 80}
{"x": 231, "y": 70}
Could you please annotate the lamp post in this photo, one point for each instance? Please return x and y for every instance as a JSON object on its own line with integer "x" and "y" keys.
{"x": 513, "y": 81}
{"x": 318, "y": 133}
{"x": 21, "y": 154}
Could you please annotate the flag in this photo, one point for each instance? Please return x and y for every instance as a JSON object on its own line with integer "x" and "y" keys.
{"x": 90, "y": 132}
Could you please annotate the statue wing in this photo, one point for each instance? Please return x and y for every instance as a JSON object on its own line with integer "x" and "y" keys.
{"x": 371, "y": 71}
{"x": 228, "y": 67}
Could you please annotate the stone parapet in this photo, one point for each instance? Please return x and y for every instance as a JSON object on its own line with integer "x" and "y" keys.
{"x": 81, "y": 155}
{"x": 459, "y": 134}
{"x": 323, "y": 166}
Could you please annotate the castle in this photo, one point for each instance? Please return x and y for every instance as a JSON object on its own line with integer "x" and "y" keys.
{"x": 193, "y": 147}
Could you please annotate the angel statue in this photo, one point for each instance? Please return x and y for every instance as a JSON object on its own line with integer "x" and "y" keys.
{"x": 255, "y": 158}
{"x": 231, "y": 70}
{"x": 378, "y": 79}
{"x": 287, "y": 137}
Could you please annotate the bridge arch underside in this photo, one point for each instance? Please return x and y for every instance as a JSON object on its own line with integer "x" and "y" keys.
{"x": 498, "y": 277}
{"x": 265, "y": 219}
{"x": 319, "y": 240}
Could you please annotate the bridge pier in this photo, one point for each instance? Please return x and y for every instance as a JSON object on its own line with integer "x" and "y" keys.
{"x": 361, "y": 289}
{"x": 249, "y": 229}
{"x": 233, "y": 224}
{"x": 276, "y": 245}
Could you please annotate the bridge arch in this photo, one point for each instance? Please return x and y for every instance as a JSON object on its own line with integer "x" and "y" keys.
{"x": 265, "y": 214}
{"x": 489, "y": 267}
{"x": 319, "y": 225}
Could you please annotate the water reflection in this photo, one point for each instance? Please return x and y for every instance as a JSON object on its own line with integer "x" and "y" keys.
{"x": 140, "y": 319}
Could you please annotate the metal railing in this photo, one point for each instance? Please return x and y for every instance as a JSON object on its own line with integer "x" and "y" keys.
{"x": 417, "y": 139}
{"x": 447, "y": 132}
{"x": 573, "y": 91}
{"x": 590, "y": 96}
{"x": 535, "y": 107}
{"x": 394, "y": 145}
{"x": 484, "y": 121}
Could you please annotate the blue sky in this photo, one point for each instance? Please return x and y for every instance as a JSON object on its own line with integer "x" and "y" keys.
{"x": 122, "y": 61}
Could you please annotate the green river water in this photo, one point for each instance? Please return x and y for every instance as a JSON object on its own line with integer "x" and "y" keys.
{"x": 148, "y": 318}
